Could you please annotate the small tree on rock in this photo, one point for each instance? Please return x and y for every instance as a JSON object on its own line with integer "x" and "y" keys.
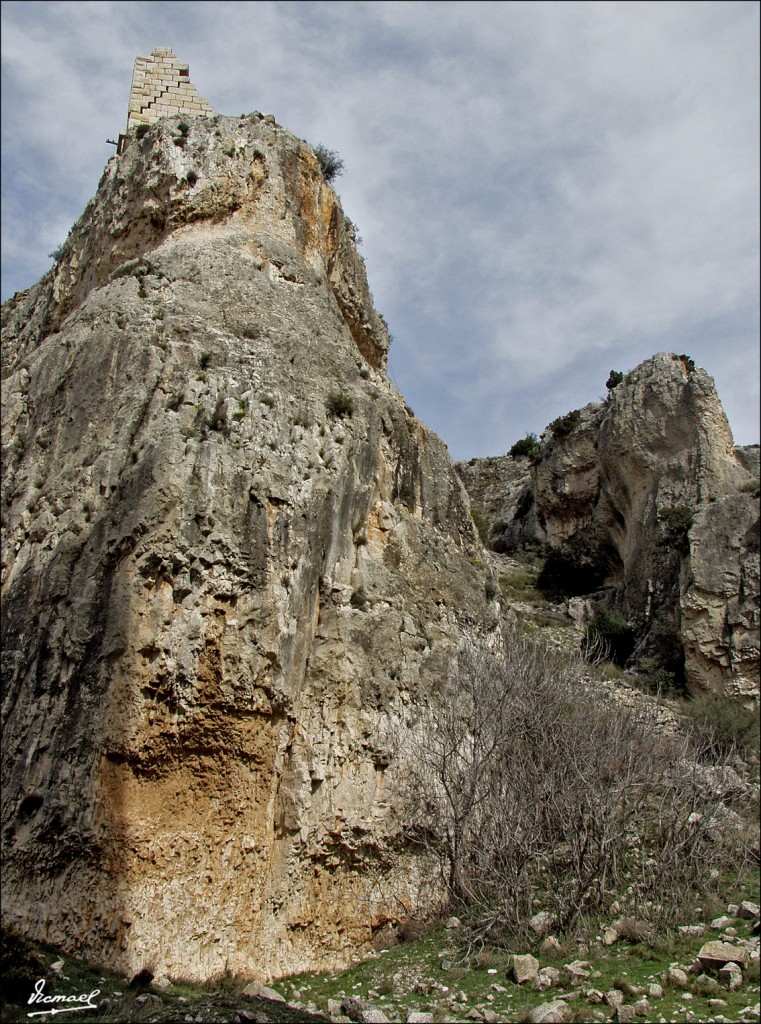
{"x": 331, "y": 163}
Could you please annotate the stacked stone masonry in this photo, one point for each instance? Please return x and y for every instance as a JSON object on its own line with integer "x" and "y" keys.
{"x": 161, "y": 87}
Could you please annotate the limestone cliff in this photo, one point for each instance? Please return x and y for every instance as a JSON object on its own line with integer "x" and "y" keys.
{"x": 646, "y": 506}
{"x": 231, "y": 562}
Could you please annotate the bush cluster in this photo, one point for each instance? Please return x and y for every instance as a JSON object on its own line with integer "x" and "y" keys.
{"x": 481, "y": 524}
{"x": 527, "y": 448}
{"x": 609, "y": 635}
{"x": 339, "y": 404}
{"x": 722, "y": 725}
{"x": 677, "y": 520}
{"x": 524, "y": 783}
{"x": 564, "y": 425}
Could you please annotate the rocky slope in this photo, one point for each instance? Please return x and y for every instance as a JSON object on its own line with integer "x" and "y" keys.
{"x": 647, "y": 508}
{"x": 231, "y": 562}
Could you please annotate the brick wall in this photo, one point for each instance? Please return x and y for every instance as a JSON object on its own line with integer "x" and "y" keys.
{"x": 161, "y": 87}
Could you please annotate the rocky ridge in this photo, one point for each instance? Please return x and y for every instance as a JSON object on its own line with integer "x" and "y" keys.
{"x": 647, "y": 509}
{"x": 231, "y": 562}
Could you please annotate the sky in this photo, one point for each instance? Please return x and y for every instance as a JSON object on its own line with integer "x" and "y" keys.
{"x": 545, "y": 190}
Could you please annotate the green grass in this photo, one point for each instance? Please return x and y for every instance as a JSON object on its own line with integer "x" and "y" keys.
{"x": 411, "y": 976}
{"x": 520, "y": 585}
{"x": 430, "y": 973}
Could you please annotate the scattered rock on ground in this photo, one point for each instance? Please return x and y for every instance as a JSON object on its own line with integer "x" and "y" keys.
{"x": 677, "y": 977}
{"x": 555, "y": 1012}
{"x": 546, "y": 978}
{"x": 610, "y": 935}
{"x": 709, "y": 983}
{"x": 255, "y": 989}
{"x": 525, "y": 968}
{"x": 731, "y": 976}
{"x": 541, "y": 922}
{"x": 578, "y": 970}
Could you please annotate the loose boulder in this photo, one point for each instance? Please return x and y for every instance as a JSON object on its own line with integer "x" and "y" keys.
{"x": 714, "y": 955}
{"x": 525, "y": 968}
{"x": 555, "y": 1012}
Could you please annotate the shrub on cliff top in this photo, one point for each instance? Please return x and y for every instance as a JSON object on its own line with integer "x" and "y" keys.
{"x": 331, "y": 163}
{"x": 564, "y": 425}
{"x": 527, "y": 447}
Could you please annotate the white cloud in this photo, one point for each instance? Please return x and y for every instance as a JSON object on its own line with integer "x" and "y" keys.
{"x": 545, "y": 190}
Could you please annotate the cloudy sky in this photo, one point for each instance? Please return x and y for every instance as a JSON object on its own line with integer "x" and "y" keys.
{"x": 546, "y": 190}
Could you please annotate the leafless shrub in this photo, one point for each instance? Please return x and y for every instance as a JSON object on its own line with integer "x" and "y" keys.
{"x": 533, "y": 787}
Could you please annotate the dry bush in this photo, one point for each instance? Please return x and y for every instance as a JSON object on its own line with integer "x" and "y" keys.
{"x": 632, "y": 930}
{"x": 528, "y": 783}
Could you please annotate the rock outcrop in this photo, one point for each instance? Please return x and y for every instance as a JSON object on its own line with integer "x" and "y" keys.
{"x": 232, "y": 561}
{"x": 646, "y": 506}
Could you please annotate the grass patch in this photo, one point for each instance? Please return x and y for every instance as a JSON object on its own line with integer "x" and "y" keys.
{"x": 520, "y": 585}
{"x": 429, "y": 972}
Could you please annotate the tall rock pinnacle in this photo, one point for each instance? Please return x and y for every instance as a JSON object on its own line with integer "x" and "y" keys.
{"x": 232, "y": 560}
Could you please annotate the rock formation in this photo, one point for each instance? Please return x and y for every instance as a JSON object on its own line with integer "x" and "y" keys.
{"x": 646, "y": 506}
{"x": 231, "y": 561}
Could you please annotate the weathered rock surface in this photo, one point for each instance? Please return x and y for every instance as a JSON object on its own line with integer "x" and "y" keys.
{"x": 717, "y": 954}
{"x": 719, "y": 605}
{"x": 647, "y": 507}
{"x": 550, "y": 1013}
{"x": 732, "y": 976}
{"x": 231, "y": 563}
{"x": 525, "y": 967}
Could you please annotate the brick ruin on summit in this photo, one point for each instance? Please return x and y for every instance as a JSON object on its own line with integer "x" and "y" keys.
{"x": 161, "y": 87}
